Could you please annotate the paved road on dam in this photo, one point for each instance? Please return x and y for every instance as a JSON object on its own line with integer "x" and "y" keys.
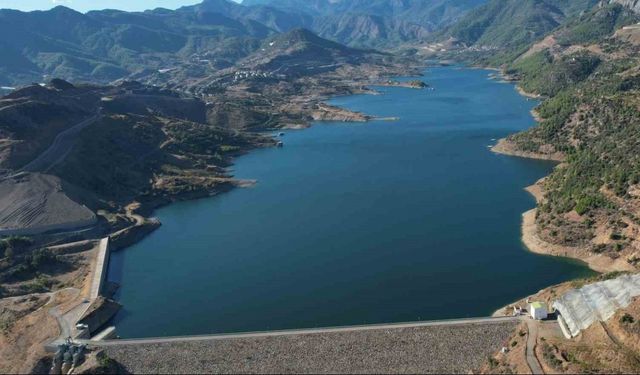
{"x": 162, "y": 340}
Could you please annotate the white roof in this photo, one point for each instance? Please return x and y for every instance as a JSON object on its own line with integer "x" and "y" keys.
{"x": 582, "y": 307}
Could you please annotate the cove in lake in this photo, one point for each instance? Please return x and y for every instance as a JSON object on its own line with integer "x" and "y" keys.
{"x": 353, "y": 223}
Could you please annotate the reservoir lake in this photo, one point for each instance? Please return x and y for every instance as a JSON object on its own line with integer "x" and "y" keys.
{"x": 353, "y": 223}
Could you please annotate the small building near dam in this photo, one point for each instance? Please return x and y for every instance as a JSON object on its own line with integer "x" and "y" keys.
{"x": 538, "y": 310}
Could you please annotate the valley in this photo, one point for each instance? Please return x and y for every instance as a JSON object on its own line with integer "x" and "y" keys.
{"x": 117, "y": 115}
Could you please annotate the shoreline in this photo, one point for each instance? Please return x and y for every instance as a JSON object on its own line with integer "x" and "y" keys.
{"x": 501, "y": 148}
{"x": 141, "y": 212}
{"x": 321, "y": 111}
{"x": 529, "y": 230}
{"x": 505, "y": 147}
{"x": 145, "y": 209}
{"x": 533, "y": 242}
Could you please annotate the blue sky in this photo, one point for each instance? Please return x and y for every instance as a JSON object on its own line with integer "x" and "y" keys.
{"x": 87, "y": 5}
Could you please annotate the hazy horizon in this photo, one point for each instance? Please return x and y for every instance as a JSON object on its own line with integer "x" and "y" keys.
{"x": 88, "y": 5}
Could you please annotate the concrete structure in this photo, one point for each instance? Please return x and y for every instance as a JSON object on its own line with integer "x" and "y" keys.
{"x": 564, "y": 328}
{"x": 458, "y": 346}
{"x": 538, "y": 310}
{"x": 106, "y": 334}
{"x": 580, "y": 308}
{"x": 517, "y": 311}
{"x": 101, "y": 267}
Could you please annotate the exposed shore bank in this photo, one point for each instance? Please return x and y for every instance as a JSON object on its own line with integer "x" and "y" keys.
{"x": 534, "y": 243}
{"x": 529, "y": 228}
{"x": 530, "y": 232}
{"x": 505, "y": 147}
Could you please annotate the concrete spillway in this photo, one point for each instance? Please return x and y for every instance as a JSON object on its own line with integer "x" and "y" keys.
{"x": 101, "y": 268}
{"x": 580, "y": 308}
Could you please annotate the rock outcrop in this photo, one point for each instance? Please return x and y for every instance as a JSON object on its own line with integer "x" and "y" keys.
{"x": 632, "y": 4}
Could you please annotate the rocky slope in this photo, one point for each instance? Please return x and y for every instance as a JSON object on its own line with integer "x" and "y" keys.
{"x": 631, "y": 4}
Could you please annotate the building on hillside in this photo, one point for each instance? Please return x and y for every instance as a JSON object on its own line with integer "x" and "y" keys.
{"x": 538, "y": 310}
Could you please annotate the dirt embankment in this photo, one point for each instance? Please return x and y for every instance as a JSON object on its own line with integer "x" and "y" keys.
{"x": 26, "y": 327}
{"x": 506, "y": 147}
{"x": 532, "y": 239}
{"x": 611, "y": 347}
{"x": 32, "y": 203}
{"x": 596, "y": 262}
{"x": 325, "y": 112}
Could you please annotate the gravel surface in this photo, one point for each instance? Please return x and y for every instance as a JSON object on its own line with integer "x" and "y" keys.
{"x": 36, "y": 202}
{"x": 435, "y": 349}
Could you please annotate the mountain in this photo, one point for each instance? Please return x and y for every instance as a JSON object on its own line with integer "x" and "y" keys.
{"x": 142, "y": 140}
{"x": 272, "y": 17}
{"x": 300, "y": 52}
{"x": 374, "y": 23}
{"x": 106, "y": 45}
{"x": 103, "y": 46}
{"x": 513, "y": 24}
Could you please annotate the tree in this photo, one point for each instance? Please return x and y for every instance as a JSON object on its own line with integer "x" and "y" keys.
{"x": 8, "y": 253}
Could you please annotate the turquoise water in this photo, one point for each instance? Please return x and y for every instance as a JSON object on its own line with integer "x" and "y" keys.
{"x": 353, "y": 223}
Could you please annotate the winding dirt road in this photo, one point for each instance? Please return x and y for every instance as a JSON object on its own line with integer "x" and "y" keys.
{"x": 60, "y": 148}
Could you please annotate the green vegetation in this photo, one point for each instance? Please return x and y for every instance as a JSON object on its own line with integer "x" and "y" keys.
{"x": 627, "y": 319}
{"x": 595, "y": 25}
{"x": 41, "y": 284}
{"x": 590, "y": 120}
{"x": 107, "y": 45}
{"x": 106, "y": 365}
{"x": 15, "y": 244}
{"x": 493, "y": 363}
{"x": 546, "y": 75}
{"x": 591, "y": 113}
{"x": 29, "y": 266}
{"x": 503, "y": 29}
{"x": 549, "y": 356}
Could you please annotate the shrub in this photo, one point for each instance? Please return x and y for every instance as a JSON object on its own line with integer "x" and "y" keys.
{"x": 626, "y": 318}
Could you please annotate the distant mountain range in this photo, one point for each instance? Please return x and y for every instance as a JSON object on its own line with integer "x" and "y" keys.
{"x": 102, "y": 46}
{"x": 374, "y": 23}
{"x": 107, "y": 45}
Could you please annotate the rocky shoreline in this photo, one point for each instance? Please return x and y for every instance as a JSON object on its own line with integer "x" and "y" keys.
{"x": 506, "y": 147}
{"x": 529, "y": 228}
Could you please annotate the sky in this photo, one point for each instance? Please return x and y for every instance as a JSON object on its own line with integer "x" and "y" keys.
{"x": 87, "y": 5}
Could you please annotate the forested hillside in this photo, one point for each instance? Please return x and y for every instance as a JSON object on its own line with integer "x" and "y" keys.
{"x": 588, "y": 71}
{"x": 502, "y": 29}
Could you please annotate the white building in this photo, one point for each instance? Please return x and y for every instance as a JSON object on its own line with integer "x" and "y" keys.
{"x": 538, "y": 310}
